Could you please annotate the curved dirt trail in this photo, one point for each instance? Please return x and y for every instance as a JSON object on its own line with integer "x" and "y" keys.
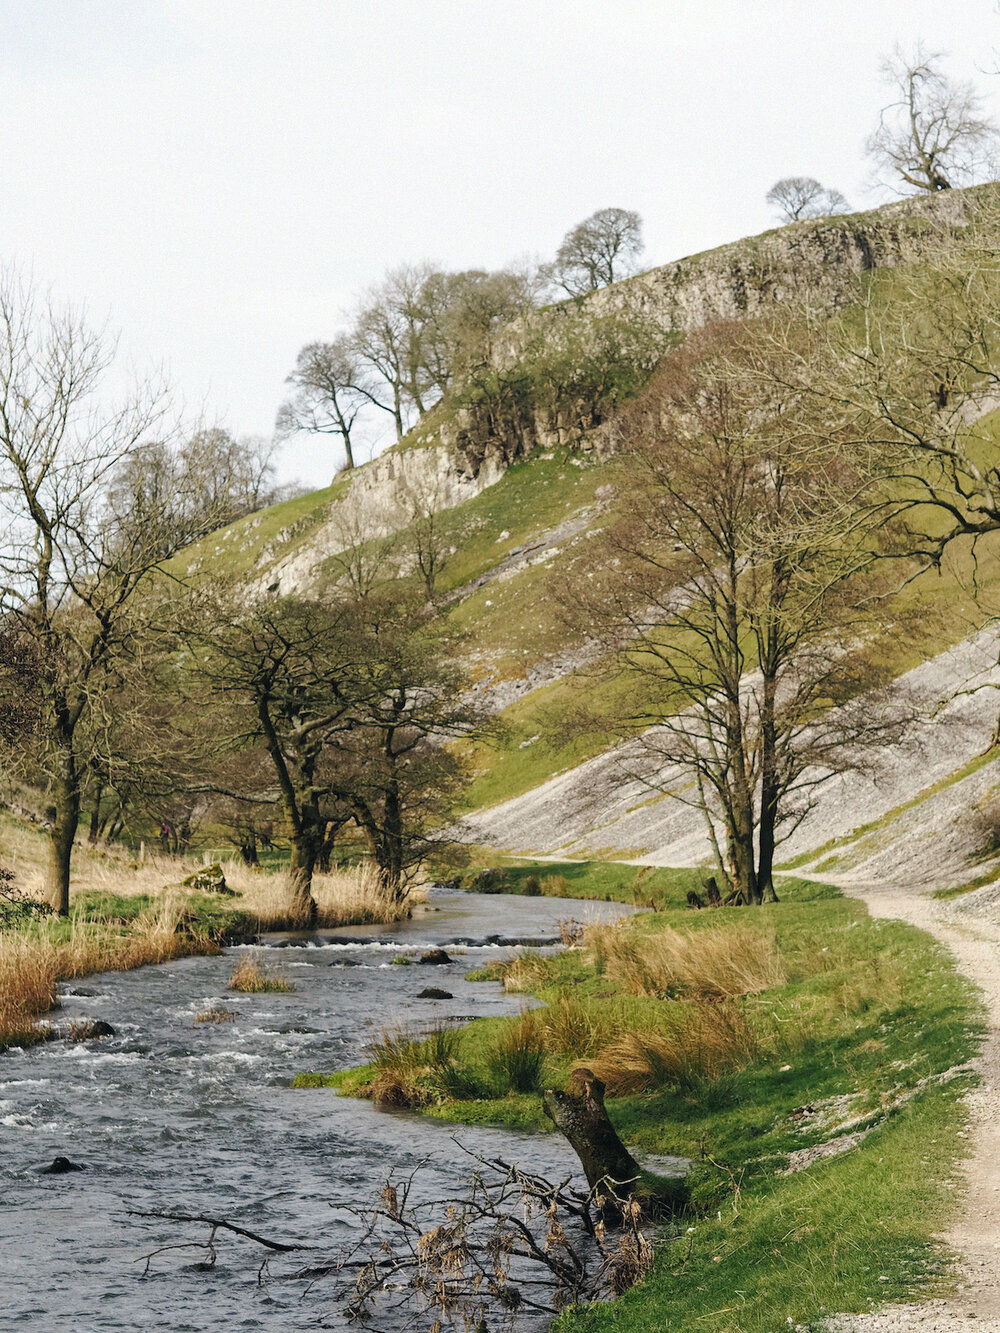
{"x": 975, "y": 1234}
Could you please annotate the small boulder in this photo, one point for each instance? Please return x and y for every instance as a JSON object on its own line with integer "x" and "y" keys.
{"x": 209, "y": 879}
{"x": 434, "y": 957}
{"x": 60, "y": 1166}
{"x": 433, "y": 993}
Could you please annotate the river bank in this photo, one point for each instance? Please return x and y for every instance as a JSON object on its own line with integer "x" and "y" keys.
{"x": 811, "y": 1061}
{"x": 127, "y": 913}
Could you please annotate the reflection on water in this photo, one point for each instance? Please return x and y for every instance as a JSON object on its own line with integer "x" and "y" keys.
{"x": 198, "y": 1117}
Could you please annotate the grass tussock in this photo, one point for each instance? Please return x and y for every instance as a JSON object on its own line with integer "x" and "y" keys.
{"x": 253, "y": 977}
{"x": 718, "y": 964}
{"x": 216, "y": 1014}
{"x": 516, "y": 1058}
{"x": 522, "y": 974}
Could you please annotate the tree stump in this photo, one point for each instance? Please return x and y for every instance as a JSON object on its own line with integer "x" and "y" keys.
{"x": 579, "y": 1113}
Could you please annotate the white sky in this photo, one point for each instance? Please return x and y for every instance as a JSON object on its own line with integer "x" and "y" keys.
{"x": 219, "y": 178}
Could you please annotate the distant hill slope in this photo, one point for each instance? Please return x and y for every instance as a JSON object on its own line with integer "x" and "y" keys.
{"x": 507, "y": 519}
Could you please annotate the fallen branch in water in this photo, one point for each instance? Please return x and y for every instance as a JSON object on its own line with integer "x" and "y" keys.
{"x": 513, "y": 1242}
{"x": 216, "y": 1224}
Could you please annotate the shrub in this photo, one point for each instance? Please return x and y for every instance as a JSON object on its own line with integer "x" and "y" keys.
{"x": 17, "y": 909}
{"x": 530, "y": 886}
{"x": 555, "y": 886}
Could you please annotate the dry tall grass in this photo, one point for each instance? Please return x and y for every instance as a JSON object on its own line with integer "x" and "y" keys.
{"x": 350, "y": 897}
{"x": 710, "y": 964}
{"x": 705, "y": 1041}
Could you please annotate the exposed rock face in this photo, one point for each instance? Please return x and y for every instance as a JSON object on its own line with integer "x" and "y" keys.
{"x": 382, "y": 498}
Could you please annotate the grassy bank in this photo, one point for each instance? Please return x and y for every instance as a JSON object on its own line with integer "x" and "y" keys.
{"x": 656, "y": 887}
{"x": 748, "y": 1042}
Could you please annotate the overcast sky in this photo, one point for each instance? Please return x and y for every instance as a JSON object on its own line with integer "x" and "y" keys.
{"x": 219, "y": 178}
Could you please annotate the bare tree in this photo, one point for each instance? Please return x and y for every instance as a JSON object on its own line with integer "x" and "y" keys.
{"x": 933, "y": 135}
{"x": 728, "y": 596}
{"x": 173, "y": 496}
{"x": 795, "y": 198}
{"x": 386, "y": 341}
{"x": 330, "y": 388}
{"x": 598, "y": 251}
{"x": 69, "y": 577}
{"x": 461, "y": 315}
{"x": 912, "y": 382}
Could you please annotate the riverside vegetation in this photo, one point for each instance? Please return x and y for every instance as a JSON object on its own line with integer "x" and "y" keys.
{"x": 807, "y": 1060}
{"x": 125, "y": 914}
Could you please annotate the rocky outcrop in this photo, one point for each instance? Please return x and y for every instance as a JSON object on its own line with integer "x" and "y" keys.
{"x": 818, "y": 259}
{"x": 452, "y": 455}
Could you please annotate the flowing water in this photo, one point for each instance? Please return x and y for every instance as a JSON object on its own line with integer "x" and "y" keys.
{"x": 170, "y": 1114}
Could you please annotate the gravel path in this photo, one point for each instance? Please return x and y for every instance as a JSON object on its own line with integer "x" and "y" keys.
{"x": 970, "y": 927}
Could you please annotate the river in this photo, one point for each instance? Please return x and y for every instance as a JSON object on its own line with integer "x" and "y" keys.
{"x": 199, "y": 1118}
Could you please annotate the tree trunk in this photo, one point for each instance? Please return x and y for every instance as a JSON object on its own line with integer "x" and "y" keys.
{"x": 300, "y": 871}
{"x": 95, "y": 816}
{"x": 67, "y": 820}
{"x": 579, "y": 1114}
{"x": 390, "y": 860}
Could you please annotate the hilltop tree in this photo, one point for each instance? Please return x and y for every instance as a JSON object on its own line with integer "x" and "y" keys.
{"x": 598, "y": 251}
{"x": 460, "y": 316}
{"x": 796, "y": 198}
{"x": 933, "y": 135}
{"x": 329, "y": 391}
{"x": 386, "y": 341}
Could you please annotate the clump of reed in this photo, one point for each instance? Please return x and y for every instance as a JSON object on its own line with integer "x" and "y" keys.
{"x": 254, "y": 977}
{"x": 215, "y": 1014}
{"x": 711, "y": 964}
{"x": 516, "y": 1058}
